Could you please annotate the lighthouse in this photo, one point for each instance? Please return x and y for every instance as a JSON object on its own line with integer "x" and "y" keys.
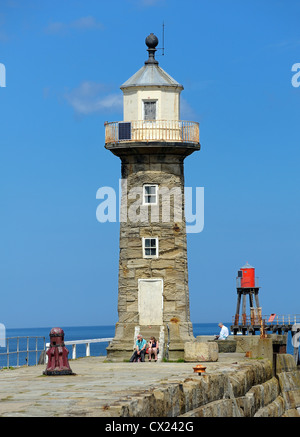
{"x": 152, "y": 143}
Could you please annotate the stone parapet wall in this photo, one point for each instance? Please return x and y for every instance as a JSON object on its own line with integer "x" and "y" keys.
{"x": 249, "y": 391}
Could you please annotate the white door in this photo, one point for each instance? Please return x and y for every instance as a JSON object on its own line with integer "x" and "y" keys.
{"x": 150, "y": 301}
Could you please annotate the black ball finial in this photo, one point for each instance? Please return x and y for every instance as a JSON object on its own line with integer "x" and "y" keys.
{"x": 151, "y": 41}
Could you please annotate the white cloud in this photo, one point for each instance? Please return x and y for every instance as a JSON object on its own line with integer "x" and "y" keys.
{"x": 83, "y": 23}
{"x": 186, "y": 111}
{"x": 284, "y": 45}
{"x": 86, "y": 23}
{"x": 91, "y": 97}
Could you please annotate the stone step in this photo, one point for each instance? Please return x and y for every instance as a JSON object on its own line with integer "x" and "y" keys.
{"x": 156, "y": 331}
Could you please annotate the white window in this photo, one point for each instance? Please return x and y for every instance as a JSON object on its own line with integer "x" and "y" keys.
{"x": 150, "y": 247}
{"x": 149, "y": 112}
{"x": 150, "y": 194}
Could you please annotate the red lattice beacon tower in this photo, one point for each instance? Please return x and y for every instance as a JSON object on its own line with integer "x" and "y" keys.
{"x": 247, "y": 284}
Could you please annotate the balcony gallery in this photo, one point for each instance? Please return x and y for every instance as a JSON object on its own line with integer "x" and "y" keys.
{"x": 152, "y": 130}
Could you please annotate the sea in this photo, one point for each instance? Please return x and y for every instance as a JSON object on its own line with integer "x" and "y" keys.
{"x": 36, "y": 338}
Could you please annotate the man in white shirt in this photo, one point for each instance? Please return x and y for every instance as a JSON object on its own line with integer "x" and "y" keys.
{"x": 223, "y": 333}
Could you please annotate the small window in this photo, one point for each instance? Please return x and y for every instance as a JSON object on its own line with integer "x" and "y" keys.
{"x": 150, "y": 194}
{"x": 150, "y": 247}
{"x": 149, "y": 110}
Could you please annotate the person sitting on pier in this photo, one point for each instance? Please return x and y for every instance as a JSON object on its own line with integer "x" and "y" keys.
{"x": 140, "y": 349}
{"x": 153, "y": 348}
{"x": 223, "y": 333}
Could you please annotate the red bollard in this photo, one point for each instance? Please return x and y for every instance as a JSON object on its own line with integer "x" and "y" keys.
{"x": 57, "y": 354}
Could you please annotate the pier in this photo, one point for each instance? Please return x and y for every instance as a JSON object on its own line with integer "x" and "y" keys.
{"x": 234, "y": 386}
{"x": 274, "y": 323}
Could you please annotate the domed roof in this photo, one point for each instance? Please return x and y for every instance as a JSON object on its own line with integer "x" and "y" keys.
{"x": 151, "y": 74}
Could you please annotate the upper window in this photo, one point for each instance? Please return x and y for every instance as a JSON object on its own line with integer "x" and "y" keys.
{"x": 150, "y": 194}
{"x": 150, "y": 247}
{"x": 149, "y": 110}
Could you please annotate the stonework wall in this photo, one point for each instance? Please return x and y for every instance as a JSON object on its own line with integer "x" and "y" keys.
{"x": 143, "y": 221}
{"x": 249, "y": 391}
{"x": 171, "y": 264}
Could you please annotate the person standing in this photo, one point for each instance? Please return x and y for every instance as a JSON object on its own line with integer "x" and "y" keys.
{"x": 140, "y": 349}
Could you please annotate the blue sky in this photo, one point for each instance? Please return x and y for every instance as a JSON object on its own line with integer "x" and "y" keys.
{"x": 65, "y": 61}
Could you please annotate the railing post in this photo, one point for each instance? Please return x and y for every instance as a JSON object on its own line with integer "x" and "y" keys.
{"x": 18, "y": 351}
{"x": 46, "y": 350}
{"x": 7, "y": 350}
{"x": 87, "y": 350}
{"x": 73, "y": 351}
{"x": 27, "y": 354}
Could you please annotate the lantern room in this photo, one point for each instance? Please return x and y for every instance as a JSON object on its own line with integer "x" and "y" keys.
{"x": 151, "y": 93}
{"x": 151, "y": 109}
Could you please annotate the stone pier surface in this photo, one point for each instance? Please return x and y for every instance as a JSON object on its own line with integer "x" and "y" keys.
{"x": 233, "y": 386}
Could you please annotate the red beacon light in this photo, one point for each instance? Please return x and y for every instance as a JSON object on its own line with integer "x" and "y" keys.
{"x": 246, "y": 277}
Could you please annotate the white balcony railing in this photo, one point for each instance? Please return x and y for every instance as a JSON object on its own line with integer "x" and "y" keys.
{"x": 152, "y": 130}
{"x": 87, "y": 343}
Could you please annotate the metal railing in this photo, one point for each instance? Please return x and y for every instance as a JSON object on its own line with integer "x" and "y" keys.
{"x": 15, "y": 346}
{"x": 87, "y": 343}
{"x": 152, "y": 130}
{"x": 268, "y": 320}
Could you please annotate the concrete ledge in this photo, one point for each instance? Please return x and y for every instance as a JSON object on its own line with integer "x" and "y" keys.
{"x": 195, "y": 351}
{"x": 205, "y": 338}
{"x": 258, "y": 347}
{"x": 259, "y": 396}
{"x": 291, "y": 413}
{"x": 290, "y": 387}
{"x": 285, "y": 363}
{"x": 220, "y": 408}
{"x": 274, "y": 409}
{"x": 226, "y": 346}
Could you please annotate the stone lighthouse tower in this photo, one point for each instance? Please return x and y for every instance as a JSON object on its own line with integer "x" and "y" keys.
{"x": 152, "y": 143}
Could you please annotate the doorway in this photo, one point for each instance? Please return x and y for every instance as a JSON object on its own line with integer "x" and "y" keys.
{"x": 150, "y": 301}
